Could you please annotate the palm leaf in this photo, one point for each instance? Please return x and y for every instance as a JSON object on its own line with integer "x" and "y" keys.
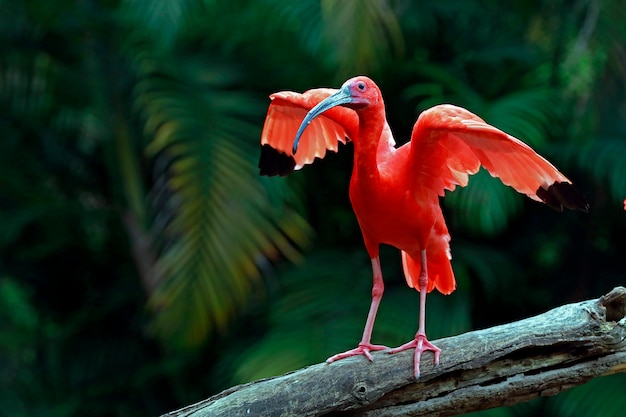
{"x": 485, "y": 206}
{"x": 214, "y": 215}
{"x": 162, "y": 19}
{"x": 603, "y": 158}
{"x": 359, "y": 51}
{"x": 529, "y": 115}
{"x": 497, "y": 272}
{"x": 442, "y": 85}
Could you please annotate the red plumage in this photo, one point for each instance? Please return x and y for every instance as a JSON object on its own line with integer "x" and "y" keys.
{"x": 395, "y": 191}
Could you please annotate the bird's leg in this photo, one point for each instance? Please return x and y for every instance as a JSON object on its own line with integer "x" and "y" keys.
{"x": 365, "y": 346}
{"x": 420, "y": 342}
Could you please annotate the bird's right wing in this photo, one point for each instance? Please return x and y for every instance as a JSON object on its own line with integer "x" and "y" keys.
{"x": 449, "y": 143}
{"x": 284, "y": 116}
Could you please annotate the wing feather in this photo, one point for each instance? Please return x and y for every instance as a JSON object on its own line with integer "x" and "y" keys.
{"x": 286, "y": 111}
{"x": 450, "y": 143}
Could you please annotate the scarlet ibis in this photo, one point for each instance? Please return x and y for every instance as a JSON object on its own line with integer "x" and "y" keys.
{"x": 395, "y": 191}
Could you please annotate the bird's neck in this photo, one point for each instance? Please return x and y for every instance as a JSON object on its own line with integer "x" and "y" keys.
{"x": 371, "y": 123}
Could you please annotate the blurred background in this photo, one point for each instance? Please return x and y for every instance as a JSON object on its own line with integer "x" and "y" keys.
{"x": 144, "y": 264}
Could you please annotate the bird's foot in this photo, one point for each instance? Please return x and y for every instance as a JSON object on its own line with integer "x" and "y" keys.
{"x": 421, "y": 345}
{"x": 362, "y": 349}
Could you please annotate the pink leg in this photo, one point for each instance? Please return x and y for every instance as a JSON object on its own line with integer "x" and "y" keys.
{"x": 365, "y": 346}
{"x": 420, "y": 343}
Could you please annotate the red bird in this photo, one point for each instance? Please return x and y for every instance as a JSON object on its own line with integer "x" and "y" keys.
{"x": 395, "y": 191}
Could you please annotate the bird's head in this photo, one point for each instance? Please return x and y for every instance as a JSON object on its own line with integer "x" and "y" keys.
{"x": 357, "y": 93}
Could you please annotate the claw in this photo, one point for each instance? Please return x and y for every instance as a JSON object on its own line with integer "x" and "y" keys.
{"x": 362, "y": 349}
{"x": 421, "y": 345}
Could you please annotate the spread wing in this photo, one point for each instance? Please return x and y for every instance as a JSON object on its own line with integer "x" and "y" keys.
{"x": 286, "y": 112}
{"x": 449, "y": 143}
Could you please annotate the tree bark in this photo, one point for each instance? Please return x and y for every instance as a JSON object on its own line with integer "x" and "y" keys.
{"x": 502, "y": 365}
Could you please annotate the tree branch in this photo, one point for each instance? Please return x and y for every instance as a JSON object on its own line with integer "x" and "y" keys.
{"x": 502, "y": 365}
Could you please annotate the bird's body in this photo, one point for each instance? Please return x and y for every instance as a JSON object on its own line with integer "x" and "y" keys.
{"x": 385, "y": 198}
{"x": 395, "y": 191}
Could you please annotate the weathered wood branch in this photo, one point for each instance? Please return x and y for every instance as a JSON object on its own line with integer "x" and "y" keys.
{"x": 502, "y": 365}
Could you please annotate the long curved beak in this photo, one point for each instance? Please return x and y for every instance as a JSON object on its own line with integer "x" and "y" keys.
{"x": 342, "y": 96}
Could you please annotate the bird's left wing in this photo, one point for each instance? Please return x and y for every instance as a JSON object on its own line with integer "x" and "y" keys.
{"x": 449, "y": 143}
{"x": 286, "y": 112}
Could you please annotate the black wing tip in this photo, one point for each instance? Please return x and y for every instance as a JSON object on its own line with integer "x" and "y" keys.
{"x": 560, "y": 195}
{"x": 273, "y": 162}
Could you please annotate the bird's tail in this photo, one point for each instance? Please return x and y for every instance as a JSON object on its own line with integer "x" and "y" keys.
{"x": 439, "y": 271}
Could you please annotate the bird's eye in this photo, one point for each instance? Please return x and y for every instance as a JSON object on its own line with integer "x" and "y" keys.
{"x": 361, "y": 86}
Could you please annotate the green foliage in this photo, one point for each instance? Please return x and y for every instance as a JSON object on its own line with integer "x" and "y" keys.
{"x": 213, "y": 215}
{"x": 602, "y": 160}
{"x": 133, "y": 221}
{"x": 595, "y": 398}
{"x": 484, "y": 206}
{"x": 360, "y": 51}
